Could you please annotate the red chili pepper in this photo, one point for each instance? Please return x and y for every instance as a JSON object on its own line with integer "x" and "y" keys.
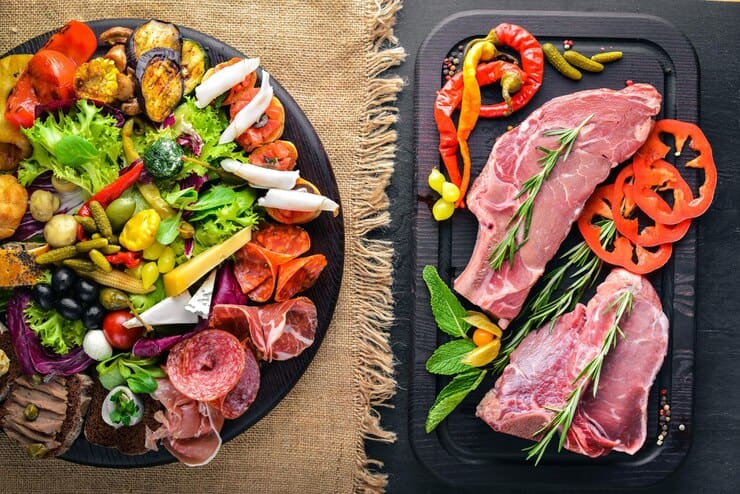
{"x": 653, "y": 174}
{"x": 621, "y": 252}
{"x": 128, "y": 259}
{"x": 113, "y": 190}
{"x": 449, "y": 98}
{"x": 533, "y": 64}
{"x": 627, "y": 222}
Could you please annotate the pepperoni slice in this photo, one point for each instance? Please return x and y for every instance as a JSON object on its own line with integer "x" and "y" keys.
{"x": 206, "y": 366}
{"x": 241, "y": 397}
{"x": 255, "y": 265}
{"x": 298, "y": 275}
{"x": 291, "y": 240}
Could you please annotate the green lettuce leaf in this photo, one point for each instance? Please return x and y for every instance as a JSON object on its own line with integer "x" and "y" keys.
{"x": 82, "y": 146}
{"x": 222, "y": 211}
{"x": 54, "y": 331}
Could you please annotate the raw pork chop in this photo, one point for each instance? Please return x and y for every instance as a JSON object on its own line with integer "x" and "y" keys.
{"x": 542, "y": 371}
{"x": 620, "y": 124}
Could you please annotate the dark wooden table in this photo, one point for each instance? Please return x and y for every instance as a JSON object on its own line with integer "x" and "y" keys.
{"x": 712, "y": 28}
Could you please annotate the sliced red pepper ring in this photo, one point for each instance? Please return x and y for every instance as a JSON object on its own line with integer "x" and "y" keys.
{"x": 620, "y": 251}
{"x": 625, "y": 214}
{"x": 650, "y": 169}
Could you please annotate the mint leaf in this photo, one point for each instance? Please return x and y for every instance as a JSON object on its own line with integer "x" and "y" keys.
{"x": 452, "y": 395}
{"x": 72, "y": 150}
{"x": 446, "y": 359}
{"x": 447, "y": 309}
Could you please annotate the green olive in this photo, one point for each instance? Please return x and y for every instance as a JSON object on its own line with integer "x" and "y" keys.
{"x": 113, "y": 299}
{"x": 119, "y": 212}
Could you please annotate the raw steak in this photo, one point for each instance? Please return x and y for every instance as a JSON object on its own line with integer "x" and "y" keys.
{"x": 620, "y": 124}
{"x": 544, "y": 367}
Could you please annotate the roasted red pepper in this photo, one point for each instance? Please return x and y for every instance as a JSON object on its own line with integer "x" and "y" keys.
{"x": 52, "y": 76}
{"x": 449, "y": 98}
{"x": 620, "y": 251}
{"x": 20, "y": 109}
{"x": 653, "y": 174}
{"x": 76, "y": 40}
{"x": 627, "y": 222}
{"x": 128, "y": 259}
{"x": 532, "y": 61}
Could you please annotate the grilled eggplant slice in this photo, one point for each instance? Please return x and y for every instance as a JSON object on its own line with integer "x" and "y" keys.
{"x": 194, "y": 64}
{"x": 150, "y": 35}
{"x": 159, "y": 82}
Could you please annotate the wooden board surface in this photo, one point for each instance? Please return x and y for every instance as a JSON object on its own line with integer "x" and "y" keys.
{"x": 463, "y": 451}
{"x": 327, "y": 235}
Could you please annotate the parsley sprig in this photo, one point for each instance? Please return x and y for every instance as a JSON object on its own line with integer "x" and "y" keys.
{"x": 126, "y": 409}
{"x": 622, "y": 305}
{"x": 519, "y": 224}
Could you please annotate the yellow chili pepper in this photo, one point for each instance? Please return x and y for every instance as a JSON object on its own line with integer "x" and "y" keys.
{"x": 481, "y": 50}
{"x": 140, "y": 231}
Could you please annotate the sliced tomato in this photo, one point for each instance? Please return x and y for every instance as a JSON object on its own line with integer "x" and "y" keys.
{"x": 52, "y": 76}
{"x": 653, "y": 174}
{"x": 618, "y": 250}
{"x": 626, "y": 215}
{"x": 76, "y": 40}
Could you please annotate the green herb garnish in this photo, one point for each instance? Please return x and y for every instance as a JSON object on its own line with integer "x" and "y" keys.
{"x": 137, "y": 373}
{"x": 126, "y": 409}
{"x": 519, "y": 224}
{"x": 590, "y": 374}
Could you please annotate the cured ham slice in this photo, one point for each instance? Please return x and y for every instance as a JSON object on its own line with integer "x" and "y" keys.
{"x": 544, "y": 366}
{"x": 620, "y": 123}
{"x": 278, "y": 331}
{"x": 190, "y": 429}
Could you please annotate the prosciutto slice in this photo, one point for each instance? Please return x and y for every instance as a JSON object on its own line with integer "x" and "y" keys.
{"x": 278, "y": 331}
{"x": 190, "y": 429}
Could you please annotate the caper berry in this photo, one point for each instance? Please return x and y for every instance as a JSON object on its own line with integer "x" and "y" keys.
{"x": 37, "y": 450}
{"x": 31, "y": 412}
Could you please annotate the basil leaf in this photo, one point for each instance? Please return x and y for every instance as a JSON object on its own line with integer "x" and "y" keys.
{"x": 447, "y": 309}
{"x": 446, "y": 359}
{"x": 169, "y": 229}
{"x": 141, "y": 383}
{"x": 452, "y": 395}
{"x": 72, "y": 150}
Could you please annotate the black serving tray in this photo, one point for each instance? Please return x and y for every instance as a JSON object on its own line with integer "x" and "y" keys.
{"x": 463, "y": 451}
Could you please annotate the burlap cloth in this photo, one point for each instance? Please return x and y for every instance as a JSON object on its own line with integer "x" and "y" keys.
{"x": 328, "y": 54}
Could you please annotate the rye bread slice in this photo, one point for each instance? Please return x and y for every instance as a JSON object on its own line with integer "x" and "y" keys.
{"x": 6, "y": 380}
{"x": 128, "y": 440}
{"x": 79, "y": 389}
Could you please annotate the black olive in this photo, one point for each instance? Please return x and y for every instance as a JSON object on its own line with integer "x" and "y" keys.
{"x": 69, "y": 308}
{"x": 92, "y": 317}
{"x": 43, "y": 295}
{"x": 86, "y": 291}
{"x": 62, "y": 280}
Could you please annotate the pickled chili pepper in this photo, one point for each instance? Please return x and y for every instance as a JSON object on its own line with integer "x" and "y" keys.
{"x": 129, "y": 259}
{"x": 653, "y": 174}
{"x": 622, "y": 252}
{"x": 111, "y": 192}
{"x": 449, "y": 98}
{"x": 625, "y": 213}
{"x": 533, "y": 64}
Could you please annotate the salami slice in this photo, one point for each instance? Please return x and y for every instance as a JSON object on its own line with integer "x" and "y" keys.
{"x": 298, "y": 275}
{"x": 256, "y": 265}
{"x": 239, "y": 399}
{"x": 207, "y": 365}
{"x": 283, "y": 239}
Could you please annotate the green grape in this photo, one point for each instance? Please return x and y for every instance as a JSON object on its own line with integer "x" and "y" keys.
{"x": 450, "y": 192}
{"x": 442, "y": 210}
{"x": 436, "y": 180}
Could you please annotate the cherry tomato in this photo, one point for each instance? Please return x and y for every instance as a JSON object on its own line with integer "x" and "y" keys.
{"x": 120, "y": 337}
{"x": 52, "y": 76}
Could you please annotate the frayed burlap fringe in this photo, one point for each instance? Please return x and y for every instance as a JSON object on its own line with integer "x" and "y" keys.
{"x": 371, "y": 291}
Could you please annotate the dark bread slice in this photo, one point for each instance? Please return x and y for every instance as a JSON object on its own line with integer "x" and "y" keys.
{"x": 6, "y": 380}
{"x": 128, "y": 440}
{"x": 79, "y": 391}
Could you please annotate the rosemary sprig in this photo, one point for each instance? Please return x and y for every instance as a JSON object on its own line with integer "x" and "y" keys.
{"x": 520, "y": 222}
{"x": 543, "y": 308}
{"x": 589, "y": 375}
